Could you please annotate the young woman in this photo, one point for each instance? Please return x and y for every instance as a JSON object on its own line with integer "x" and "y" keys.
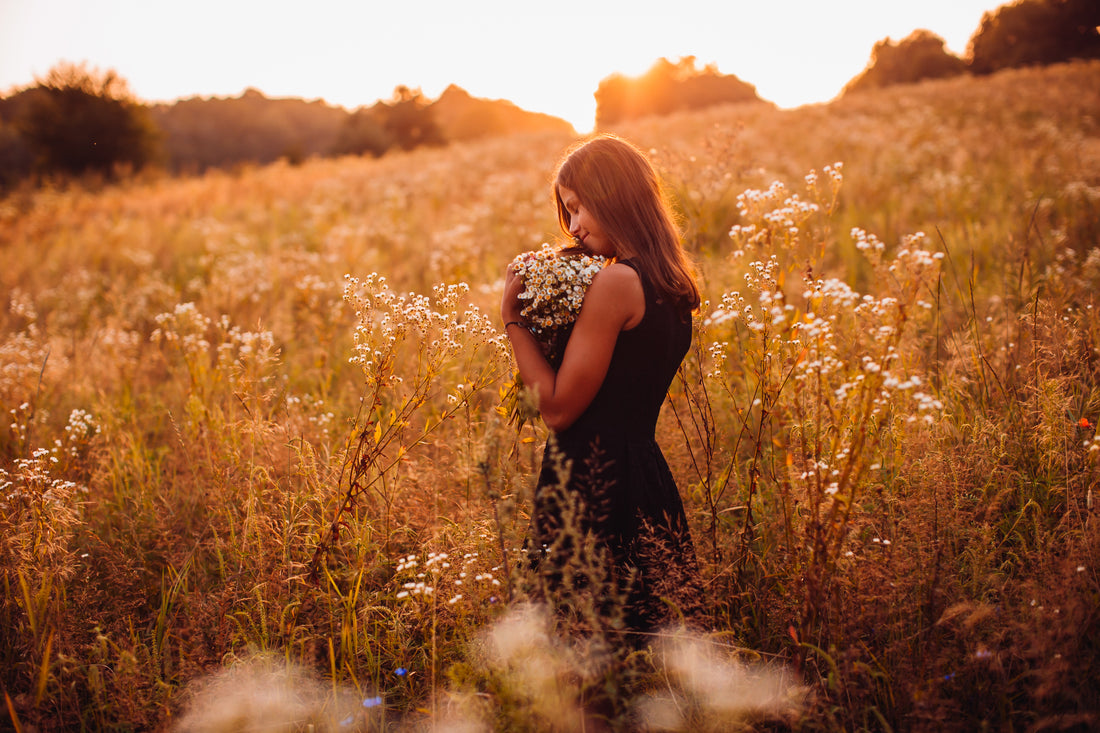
{"x": 602, "y": 404}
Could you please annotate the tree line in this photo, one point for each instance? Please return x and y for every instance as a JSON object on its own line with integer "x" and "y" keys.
{"x": 1024, "y": 33}
{"x": 77, "y": 120}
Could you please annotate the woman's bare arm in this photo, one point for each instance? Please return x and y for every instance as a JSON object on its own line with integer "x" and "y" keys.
{"x": 614, "y": 301}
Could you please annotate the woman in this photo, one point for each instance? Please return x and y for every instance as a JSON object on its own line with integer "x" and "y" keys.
{"x": 602, "y": 404}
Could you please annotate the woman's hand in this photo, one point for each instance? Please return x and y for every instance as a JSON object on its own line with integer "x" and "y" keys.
{"x": 510, "y": 306}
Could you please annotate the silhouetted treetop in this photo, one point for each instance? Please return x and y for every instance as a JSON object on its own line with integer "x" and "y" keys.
{"x": 665, "y": 88}
{"x": 1035, "y": 32}
{"x": 79, "y": 120}
{"x": 920, "y": 55}
{"x": 464, "y": 117}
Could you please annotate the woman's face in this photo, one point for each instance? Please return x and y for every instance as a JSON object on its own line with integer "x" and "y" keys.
{"x": 583, "y": 226}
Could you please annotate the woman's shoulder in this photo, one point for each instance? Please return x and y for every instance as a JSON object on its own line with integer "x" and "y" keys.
{"x": 617, "y": 291}
{"x": 618, "y": 276}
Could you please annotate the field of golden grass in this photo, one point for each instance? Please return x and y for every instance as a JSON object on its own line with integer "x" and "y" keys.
{"x": 254, "y": 472}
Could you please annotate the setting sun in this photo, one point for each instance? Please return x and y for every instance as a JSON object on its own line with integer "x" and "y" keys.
{"x": 543, "y": 57}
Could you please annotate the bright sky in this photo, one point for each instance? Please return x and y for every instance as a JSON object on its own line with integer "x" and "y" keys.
{"x": 544, "y": 56}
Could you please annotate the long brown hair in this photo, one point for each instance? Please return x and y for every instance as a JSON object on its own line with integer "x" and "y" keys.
{"x": 618, "y": 185}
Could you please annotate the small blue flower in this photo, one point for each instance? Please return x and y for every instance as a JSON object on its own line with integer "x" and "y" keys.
{"x": 949, "y": 676}
{"x": 347, "y": 721}
{"x": 401, "y": 671}
{"x": 372, "y": 702}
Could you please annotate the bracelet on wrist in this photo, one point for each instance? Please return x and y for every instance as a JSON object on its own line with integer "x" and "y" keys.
{"x": 521, "y": 324}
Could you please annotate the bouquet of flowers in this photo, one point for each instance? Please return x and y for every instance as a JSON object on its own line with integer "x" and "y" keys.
{"x": 555, "y": 280}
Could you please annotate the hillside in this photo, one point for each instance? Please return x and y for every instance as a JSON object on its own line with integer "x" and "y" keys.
{"x": 205, "y": 132}
{"x": 463, "y": 117}
{"x": 884, "y": 435}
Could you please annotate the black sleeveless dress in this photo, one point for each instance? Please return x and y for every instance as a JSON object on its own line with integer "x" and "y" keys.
{"x": 629, "y": 504}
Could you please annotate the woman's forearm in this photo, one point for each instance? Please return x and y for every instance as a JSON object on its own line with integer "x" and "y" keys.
{"x": 536, "y": 372}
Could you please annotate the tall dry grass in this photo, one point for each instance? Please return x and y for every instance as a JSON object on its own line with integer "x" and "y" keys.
{"x": 255, "y": 471}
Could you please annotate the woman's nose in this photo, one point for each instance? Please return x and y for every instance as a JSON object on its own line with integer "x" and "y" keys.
{"x": 574, "y": 227}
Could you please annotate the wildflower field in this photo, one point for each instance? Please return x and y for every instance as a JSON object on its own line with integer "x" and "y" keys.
{"x": 256, "y": 471}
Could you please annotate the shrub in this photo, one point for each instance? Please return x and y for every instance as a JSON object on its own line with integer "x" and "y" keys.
{"x": 81, "y": 120}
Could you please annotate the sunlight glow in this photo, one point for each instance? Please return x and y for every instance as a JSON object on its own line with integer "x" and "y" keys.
{"x": 545, "y": 58}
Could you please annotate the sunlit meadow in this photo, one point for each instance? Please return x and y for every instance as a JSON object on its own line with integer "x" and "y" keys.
{"x": 257, "y": 469}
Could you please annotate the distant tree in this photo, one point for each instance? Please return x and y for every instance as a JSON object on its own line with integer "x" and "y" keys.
{"x": 217, "y": 132}
{"x": 463, "y": 117}
{"x": 1035, "y": 32}
{"x": 361, "y": 134}
{"x": 16, "y": 159}
{"x": 667, "y": 87}
{"x": 80, "y": 120}
{"x": 920, "y": 55}
{"x": 408, "y": 119}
